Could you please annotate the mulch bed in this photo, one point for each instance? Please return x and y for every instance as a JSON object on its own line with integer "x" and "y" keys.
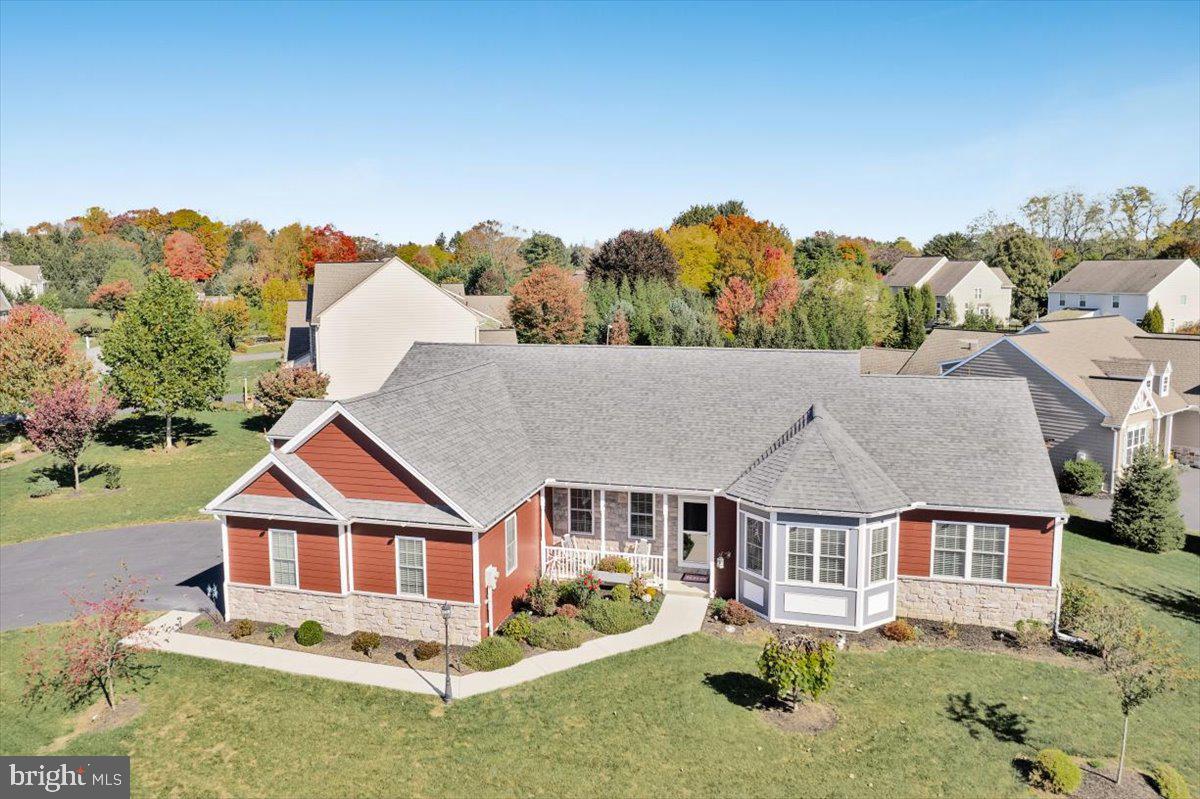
{"x": 809, "y": 718}
{"x": 391, "y": 652}
{"x": 934, "y": 634}
{"x": 1098, "y": 782}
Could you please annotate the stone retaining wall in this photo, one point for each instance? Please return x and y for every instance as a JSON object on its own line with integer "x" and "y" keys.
{"x": 414, "y": 619}
{"x": 974, "y": 603}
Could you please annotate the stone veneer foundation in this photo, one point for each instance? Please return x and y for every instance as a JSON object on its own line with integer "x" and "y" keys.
{"x": 414, "y": 619}
{"x": 975, "y": 603}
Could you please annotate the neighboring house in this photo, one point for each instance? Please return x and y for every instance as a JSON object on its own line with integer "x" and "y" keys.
{"x": 360, "y": 319}
{"x": 1067, "y": 313}
{"x": 813, "y": 494}
{"x": 943, "y": 348}
{"x": 1102, "y": 387}
{"x": 972, "y": 285}
{"x": 882, "y": 360}
{"x": 15, "y": 277}
{"x": 5, "y": 306}
{"x": 1131, "y": 288}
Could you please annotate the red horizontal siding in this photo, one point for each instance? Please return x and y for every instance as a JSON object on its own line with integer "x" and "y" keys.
{"x": 274, "y": 483}
{"x": 317, "y": 553}
{"x": 357, "y": 467}
{"x": 448, "y": 561}
{"x": 1030, "y": 543}
{"x": 491, "y": 553}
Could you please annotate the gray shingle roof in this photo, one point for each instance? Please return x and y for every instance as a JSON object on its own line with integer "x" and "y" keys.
{"x": 882, "y": 360}
{"x": 950, "y": 275}
{"x": 331, "y": 282}
{"x": 1000, "y": 273}
{"x": 273, "y": 506}
{"x": 695, "y": 418}
{"x": 31, "y": 272}
{"x": 297, "y": 417}
{"x": 1184, "y": 354}
{"x": 1116, "y": 277}
{"x": 907, "y": 271}
{"x": 944, "y": 344}
{"x": 494, "y": 305}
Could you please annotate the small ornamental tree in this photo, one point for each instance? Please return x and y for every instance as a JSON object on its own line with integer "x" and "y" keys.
{"x": 91, "y": 656}
{"x": 185, "y": 258}
{"x": 1141, "y": 660}
{"x": 36, "y": 355}
{"x": 276, "y": 391}
{"x": 780, "y": 296}
{"x": 547, "y": 307}
{"x": 162, "y": 352}
{"x": 65, "y": 420}
{"x": 111, "y": 297}
{"x": 1145, "y": 511}
{"x": 1152, "y": 322}
{"x": 797, "y": 666}
{"x": 736, "y": 299}
{"x": 618, "y": 329}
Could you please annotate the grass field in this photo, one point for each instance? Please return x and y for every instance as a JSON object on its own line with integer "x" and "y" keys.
{"x": 157, "y": 485}
{"x": 246, "y": 369}
{"x": 669, "y": 720}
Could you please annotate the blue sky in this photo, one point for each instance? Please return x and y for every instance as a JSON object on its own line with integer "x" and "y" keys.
{"x": 406, "y": 120}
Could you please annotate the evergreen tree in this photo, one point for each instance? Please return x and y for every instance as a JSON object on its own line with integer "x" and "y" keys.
{"x": 1152, "y": 322}
{"x": 1145, "y": 512}
{"x": 163, "y": 353}
{"x": 930, "y": 301}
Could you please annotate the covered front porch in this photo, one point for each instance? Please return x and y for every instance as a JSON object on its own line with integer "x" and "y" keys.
{"x": 671, "y": 538}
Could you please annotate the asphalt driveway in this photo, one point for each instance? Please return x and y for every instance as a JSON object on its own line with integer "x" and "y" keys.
{"x": 1100, "y": 508}
{"x": 181, "y": 561}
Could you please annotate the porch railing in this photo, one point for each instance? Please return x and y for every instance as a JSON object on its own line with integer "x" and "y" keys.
{"x": 566, "y": 563}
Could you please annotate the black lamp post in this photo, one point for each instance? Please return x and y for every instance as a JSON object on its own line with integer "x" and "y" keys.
{"x": 447, "y": 695}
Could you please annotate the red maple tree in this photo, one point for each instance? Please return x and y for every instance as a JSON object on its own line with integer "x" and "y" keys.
{"x": 185, "y": 259}
{"x": 326, "y": 244}
{"x": 735, "y": 299}
{"x": 66, "y": 419}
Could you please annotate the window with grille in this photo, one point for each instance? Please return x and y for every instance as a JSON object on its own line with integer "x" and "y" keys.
{"x": 800, "y": 553}
{"x": 832, "y": 568}
{"x": 987, "y": 552}
{"x": 641, "y": 515}
{"x": 410, "y": 566}
{"x": 880, "y": 542}
{"x": 283, "y": 559}
{"x": 950, "y": 550}
{"x": 581, "y": 511}
{"x": 510, "y": 544}
{"x": 752, "y": 557}
{"x": 1135, "y": 439}
{"x": 966, "y": 550}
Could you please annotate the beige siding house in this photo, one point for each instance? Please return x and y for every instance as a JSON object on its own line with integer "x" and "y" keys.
{"x": 1102, "y": 387}
{"x": 361, "y": 318}
{"x": 1130, "y": 288}
{"x": 971, "y": 285}
{"x": 17, "y": 277}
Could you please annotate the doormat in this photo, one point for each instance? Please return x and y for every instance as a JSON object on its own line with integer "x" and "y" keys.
{"x": 694, "y": 577}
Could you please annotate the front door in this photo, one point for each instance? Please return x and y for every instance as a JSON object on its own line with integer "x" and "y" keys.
{"x": 695, "y": 533}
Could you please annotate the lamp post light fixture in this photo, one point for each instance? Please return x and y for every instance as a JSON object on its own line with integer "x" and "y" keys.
{"x": 447, "y": 695}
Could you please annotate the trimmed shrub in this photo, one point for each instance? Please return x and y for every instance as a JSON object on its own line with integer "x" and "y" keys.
{"x": 1054, "y": 771}
{"x": 241, "y": 628}
{"x": 112, "y": 476}
{"x": 1078, "y": 600}
{"x": 1032, "y": 632}
{"x": 427, "y": 650}
{"x": 493, "y": 653}
{"x": 365, "y": 641}
{"x": 310, "y": 633}
{"x": 557, "y": 632}
{"x": 608, "y": 617}
{"x": 620, "y": 593}
{"x": 797, "y": 666}
{"x": 518, "y": 626}
{"x": 1169, "y": 783}
{"x": 614, "y": 563}
{"x": 579, "y": 592}
{"x": 737, "y": 614}
{"x": 570, "y": 611}
{"x": 1082, "y": 478}
{"x": 42, "y": 487}
{"x": 276, "y": 631}
{"x": 542, "y": 596}
{"x": 899, "y": 630}
{"x": 716, "y": 606}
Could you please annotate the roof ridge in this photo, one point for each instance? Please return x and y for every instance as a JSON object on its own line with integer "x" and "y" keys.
{"x": 639, "y": 347}
{"x": 434, "y": 379}
{"x": 832, "y": 423}
{"x": 787, "y": 435}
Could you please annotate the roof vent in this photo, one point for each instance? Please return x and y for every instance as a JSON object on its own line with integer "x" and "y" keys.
{"x": 969, "y": 344}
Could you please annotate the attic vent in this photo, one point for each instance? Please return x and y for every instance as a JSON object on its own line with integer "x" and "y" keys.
{"x": 969, "y": 344}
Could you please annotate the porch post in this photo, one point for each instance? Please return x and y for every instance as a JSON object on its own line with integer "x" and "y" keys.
{"x": 666, "y": 534}
{"x": 603, "y": 521}
{"x": 542, "y": 531}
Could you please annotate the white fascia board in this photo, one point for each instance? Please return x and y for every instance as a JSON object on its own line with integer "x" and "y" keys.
{"x": 238, "y": 484}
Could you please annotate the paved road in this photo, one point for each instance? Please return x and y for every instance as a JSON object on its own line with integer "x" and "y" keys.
{"x": 1189, "y": 500}
{"x": 180, "y": 559}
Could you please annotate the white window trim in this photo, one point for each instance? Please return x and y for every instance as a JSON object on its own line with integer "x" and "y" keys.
{"x": 1165, "y": 384}
{"x": 887, "y": 552}
{"x": 653, "y": 515}
{"x": 424, "y": 566}
{"x": 271, "y": 555}
{"x": 817, "y": 556}
{"x": 967, "y": 578}
{"x": 1126, "y": 455}
{"x": 708, "y": 523}
{"x": 766, "y": 526}
{"x": 509, "y": 568}
{"x": 591, "y": 511}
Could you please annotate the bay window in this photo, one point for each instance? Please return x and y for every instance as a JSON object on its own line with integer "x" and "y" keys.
{"x": 753, "y": 537}
{"x": 815, "y": 555}
{"x": 962, "y": 550}
{"x": 880, "y": 546}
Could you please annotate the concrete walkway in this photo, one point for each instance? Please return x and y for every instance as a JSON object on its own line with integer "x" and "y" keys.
{"x": 679, "y": 615}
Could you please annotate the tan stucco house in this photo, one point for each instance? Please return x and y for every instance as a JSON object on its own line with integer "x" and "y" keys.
{"x": 361, "y": 318}
{"x": 971, "y": 285}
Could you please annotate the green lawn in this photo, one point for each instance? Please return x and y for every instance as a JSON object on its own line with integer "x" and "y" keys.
{"x": 157, "y": 485}
{"x": 246, "y": 369}
{"x": 265, "y": 346}
{"x": 669, "y": 720}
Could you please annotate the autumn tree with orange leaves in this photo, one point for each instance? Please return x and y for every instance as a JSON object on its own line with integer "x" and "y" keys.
{"x": 326, "y": 244}
{"x": 185, "y": 258}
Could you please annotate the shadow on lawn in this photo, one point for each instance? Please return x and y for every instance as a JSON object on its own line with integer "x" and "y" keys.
{"x": 1181, "y": 604}
{"x": 740, "y": 688}
{"x": 61, "y": 473}
{"x": 149, "y": 432}
{"x": 1090, "y": 528}
{"x": 259, "y": 423}
{"x": 996, "y": 718}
